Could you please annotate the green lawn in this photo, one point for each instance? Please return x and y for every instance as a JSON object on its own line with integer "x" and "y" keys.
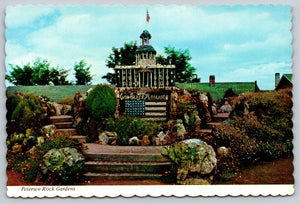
{"x": 55, "y": 93}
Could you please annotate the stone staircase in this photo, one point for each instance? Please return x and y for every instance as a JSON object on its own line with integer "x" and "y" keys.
{"x": 64, "y": 124}
{"x": 216, "y": 121}
{"x": 125, "y": 162}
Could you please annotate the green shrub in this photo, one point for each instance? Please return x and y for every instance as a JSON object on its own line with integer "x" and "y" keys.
{"x": 129, "y": 126}
{"x": 102, "y": 102}
{"x": 11, "y": 103}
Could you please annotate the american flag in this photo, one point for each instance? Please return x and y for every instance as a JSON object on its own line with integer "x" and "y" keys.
{"x": 147, "y": 17}
{"x": 148, "y": 109}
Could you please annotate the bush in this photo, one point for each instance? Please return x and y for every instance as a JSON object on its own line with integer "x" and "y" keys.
{"x": 102, "y": 102}
{"x": 11, "y": 103}
{"x": 129, "y": 126}
{"x": 28, "y": 113}
{"x": 28, "y": 162}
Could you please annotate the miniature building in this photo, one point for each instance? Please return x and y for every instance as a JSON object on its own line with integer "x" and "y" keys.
{"x": 145, "y": 72}
{"x": 284, "y": 82}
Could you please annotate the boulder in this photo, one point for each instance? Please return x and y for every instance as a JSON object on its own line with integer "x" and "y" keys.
{"x": 195, "y": 160}
{"x": 134, "y": 141}
{"x": 223, "y": 150}
{"x": 161, "y": 135}
{"x": 48, "y": 130}
{"x": 197, "y": 122}
{"x": 103, "y": 138}
{"x": 226, "y": 108}
{"x": 145, "y": 141}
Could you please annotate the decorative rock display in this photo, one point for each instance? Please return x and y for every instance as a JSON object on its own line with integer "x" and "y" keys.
{"x": 180, "y": 128}
{"x": 145, "y": 141}
{"x": 58, "y": 158}
{"x": 192, "y": 156}
{"x": 48, "y": 130}
{"x": 226, "y": 108}
{"x": 107, "y": 137}
{"x": 134, "y": 141}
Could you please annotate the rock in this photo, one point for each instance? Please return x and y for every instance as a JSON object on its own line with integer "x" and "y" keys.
{"x": 48, "y": 130}
{"x": 194, "y": 181}
{"x": 145, "y": 141}
{"x": 40, "y": 141}
{"x": 226, "y": 108}
{"x": 157, "y": 141}
{"x": 134, "y": 141}
{"x": 114, "y": 142}
{"x": 203, "y": 98}
{"x": 66, "y": 109}
{"x": 197, "y": 122}
{"x": 161, "y": 135}
{"x": 103, "y": 138}
{"x": 186, "y": 118}
{"x": 214, "y": 109}
{"x": 223, "y": 150}
{"x": 180, "y": 128}
{"x": 193, "y": 157}
{"x": 58, "y": 108}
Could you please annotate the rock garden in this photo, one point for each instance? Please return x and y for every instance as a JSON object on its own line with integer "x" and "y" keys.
{"x": 195, "y": 141}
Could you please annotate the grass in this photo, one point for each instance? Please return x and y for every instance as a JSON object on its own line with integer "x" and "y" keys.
{"x": 55, "y": 93}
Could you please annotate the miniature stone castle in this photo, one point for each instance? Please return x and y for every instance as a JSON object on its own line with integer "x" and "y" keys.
{"x": 146, "y": 72}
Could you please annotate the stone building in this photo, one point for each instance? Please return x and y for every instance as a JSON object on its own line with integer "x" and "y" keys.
{"x": 146, "y": 72}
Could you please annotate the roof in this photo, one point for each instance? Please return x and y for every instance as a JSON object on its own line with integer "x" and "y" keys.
{"x": 146, "y": 48}
{"x": 145, "y": 34}
{"x": 285, "y": 81}
{"x": 288, "y": 77}
{"x": 218, "y": 91}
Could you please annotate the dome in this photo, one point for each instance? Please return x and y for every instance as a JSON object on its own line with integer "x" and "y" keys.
{"x": 145, "y": 34}
{"x": 146, "y": 48}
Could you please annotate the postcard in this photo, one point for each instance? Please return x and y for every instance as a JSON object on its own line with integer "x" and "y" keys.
{"x": 154, "y": 100}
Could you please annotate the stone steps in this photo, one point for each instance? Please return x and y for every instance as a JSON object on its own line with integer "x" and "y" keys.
{"x": 126, "y": 167}
{"x": 123, "y": 176}
{"x": 68, "y": 131}
{"x": 212, "y": 125}
{"x": 61, "y": 118}
{"x": 121, "y": 157}
{"x": 125, "y": 162}
{"x": 220, "y": 117}
{"x": 64, "y": 125}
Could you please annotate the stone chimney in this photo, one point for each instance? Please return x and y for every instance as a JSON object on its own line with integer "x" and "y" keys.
{"x": 277, "y": 79}
{"x": 212, "y": 80}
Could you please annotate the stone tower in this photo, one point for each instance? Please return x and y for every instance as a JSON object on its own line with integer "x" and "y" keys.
{"x": 145, "y": 54}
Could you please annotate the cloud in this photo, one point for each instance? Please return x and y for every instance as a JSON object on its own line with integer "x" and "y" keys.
{"x": 23, "y": 15}
{"x": 222, "y": 40}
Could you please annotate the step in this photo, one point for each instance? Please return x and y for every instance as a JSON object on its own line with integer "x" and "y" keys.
{"x": 123, "y": 176}
{"x": 79, "y": 137}
{"x": 220, "y": 117}
{"x": 132, "y": 157}
{"x": 206, "y": 131}
{"x": 61, "y": 118}
{"x": 68, "y": 131}
{"x": 214, "y": 124}
{"x": 126, "y": 167}
{"x": 64, "y": 125}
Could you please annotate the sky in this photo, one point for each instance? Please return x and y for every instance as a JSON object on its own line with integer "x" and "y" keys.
{"x": 242, "y": 43}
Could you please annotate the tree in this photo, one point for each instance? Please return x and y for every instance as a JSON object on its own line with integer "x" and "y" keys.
{"x": 40, "y": 73}
{"x": 180, "y": 58}
{"x": 126, "y": 56}
{"x": 120, "y": 56}
{"x": 82, "y": 73}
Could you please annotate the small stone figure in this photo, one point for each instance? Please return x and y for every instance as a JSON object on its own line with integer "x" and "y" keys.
{"x": 180, "y": 128}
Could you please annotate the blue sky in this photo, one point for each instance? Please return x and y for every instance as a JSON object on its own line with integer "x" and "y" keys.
{"x": 234, "y": 43}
